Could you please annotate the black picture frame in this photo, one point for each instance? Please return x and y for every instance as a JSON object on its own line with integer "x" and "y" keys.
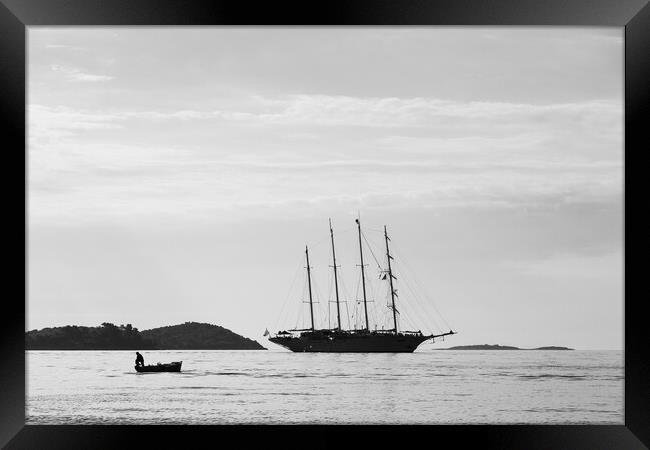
{"x": 16, "y": 15}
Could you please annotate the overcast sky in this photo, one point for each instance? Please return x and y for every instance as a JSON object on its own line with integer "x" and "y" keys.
{"x": 176, "y": 174}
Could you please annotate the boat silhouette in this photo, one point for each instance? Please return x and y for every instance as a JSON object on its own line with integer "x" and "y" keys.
{"x": 339, "y": 340}
{"x": 174, "y": 366}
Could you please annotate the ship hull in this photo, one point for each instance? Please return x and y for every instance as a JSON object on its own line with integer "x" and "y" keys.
{"x": 350, "y": 342}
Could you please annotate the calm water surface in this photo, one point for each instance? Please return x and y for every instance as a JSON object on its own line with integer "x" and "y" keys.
{"x": 277, "y": 387}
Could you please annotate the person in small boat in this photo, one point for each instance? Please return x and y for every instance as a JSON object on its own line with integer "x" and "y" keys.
{"x": 139, "y": 360}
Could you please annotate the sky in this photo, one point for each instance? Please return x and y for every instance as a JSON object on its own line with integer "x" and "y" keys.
{"x": 176, "y": 174}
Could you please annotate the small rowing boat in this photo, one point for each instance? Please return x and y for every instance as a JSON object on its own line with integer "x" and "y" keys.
{"x": 167, "y": 367}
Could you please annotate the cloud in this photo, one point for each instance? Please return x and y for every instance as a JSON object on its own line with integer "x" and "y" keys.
{"x": 49, "y": 125}
{"x": 426, "y": 112}
{"x": 116, "y": 182}
{"x": 426, "y": 167}
{"x": 568, "y": 266}
{"x": 74, "y": 74}
{"x": 65, "y": 47}
{"x": 64, "y": 118}
{"x": 319, "y": 110}
{"x": 358, "y": 151}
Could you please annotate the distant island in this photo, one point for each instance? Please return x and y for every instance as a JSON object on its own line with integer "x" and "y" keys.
{"x": 186, "y": 336}
{"x": 500, "y": 347}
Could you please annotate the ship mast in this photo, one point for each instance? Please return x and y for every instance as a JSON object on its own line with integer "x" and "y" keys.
{"x": 390, "y": 279}
{"x": 311, "y": 306}
{"x": 336, "y": 283}
{"x": 363, "y": 276}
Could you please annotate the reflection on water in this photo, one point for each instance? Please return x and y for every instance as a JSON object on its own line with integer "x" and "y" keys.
{"x": 429, "y": 387}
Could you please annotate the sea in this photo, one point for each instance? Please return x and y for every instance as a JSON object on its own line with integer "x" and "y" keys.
{"x": 428, "y": 386}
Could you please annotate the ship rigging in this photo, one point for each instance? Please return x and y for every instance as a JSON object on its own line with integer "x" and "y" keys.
{"x": 339, "y": 340}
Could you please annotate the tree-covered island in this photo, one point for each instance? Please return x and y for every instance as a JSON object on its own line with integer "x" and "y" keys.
{"x": 186, "y": 336}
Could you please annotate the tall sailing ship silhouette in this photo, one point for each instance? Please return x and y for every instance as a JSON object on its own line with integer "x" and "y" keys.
{"x": 363, "y": 340}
